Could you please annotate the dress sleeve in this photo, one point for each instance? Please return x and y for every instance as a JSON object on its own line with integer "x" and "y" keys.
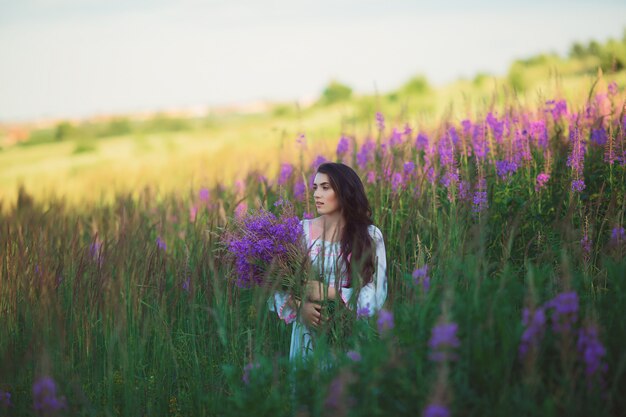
{"x": 279, "y": 303}
{"x": 373, "y": 295}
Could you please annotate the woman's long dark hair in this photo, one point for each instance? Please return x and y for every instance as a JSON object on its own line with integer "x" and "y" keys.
{"x": 357, "y": 247}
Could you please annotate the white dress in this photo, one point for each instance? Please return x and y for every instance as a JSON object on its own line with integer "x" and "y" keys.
{"x": 370, "y": 298}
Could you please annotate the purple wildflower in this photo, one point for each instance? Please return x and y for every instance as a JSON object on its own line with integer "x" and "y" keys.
{"x": 612, "y": 88}
{"x": 436, "y": 410}
{"x": 421, "y": 142}
{"x": 409, "y": 167}
{"x": 496, "y": 126}
{"x": 307, "y": 215}
{"x": 407, "y": 130}
{"x": 385, "y": 321}
{"x": 505, "y": 168}
{"x": 380, "y": 121}
{"x": 343, "y": 146}
{"x": 397, "y": 182}
{"x": 575, "y": 159}
{"x": 319, "y": 160}
{"x": 557, "y": 108}
{"x": 564, "y": 311}
{"x": 45, "y": 400}
{"x": 366, "y": 154}
{"x": 534, "y": 327}
{"x": 479, "y": 201}
{"x": 241, "y": 210}
{"x": 464, "y": 190}
{"x": 618, "y": 235}
{"x": 592, "y": 352}
{"x": 354, "y": 356}
{"x": 286, "y": 170}
{"x": 542, "y": 180}
{"x": 539, "y": 131}
{"x": 363, "y": 312}
{"x": 479, "y": 142}
{"x": 420, "y": 277}
{"x": 95, "y": 251}
{"x": 5, "y": 399}
{"x": 453, "y": 135}
{"x": 204, "y": 194}
{"x": 161, "y": 244}
{"x": 443, "y": 341}
{"x": 247, "y": 371}
{"x": 467, "y": 127}
{"x": 396, "y": 138}
{"x": 578, "y": 185}
{"x": 371, "y": 177}
{"x": 585, "y": 245}
{"x": 299, "y": 190}
{"x": 446, "y": 152}
{"x": 186, "y": 284}
{"x": 599, "y": 136}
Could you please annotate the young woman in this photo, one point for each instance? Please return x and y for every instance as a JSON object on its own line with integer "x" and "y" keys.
{"x": 343, "y": 244}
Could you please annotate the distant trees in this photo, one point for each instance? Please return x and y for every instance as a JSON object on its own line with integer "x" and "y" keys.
{"x": 335, "y": 92}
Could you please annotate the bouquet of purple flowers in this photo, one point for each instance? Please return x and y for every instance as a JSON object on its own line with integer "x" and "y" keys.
{"x": 269, "y": 251}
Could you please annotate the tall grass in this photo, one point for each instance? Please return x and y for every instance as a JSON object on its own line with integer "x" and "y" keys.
{"x": 131, "y": 308}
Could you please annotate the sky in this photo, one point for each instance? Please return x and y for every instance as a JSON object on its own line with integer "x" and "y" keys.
{"x": 79, "y": 58}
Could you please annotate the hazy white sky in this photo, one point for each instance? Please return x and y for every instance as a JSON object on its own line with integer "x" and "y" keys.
{"x": 68, "y": 58}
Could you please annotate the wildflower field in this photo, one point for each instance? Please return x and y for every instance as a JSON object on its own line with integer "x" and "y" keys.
{"x": 505, "y": 241}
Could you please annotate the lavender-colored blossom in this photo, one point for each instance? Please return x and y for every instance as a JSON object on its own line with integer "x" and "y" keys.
{"x": 446, "y": 151}
{"x": 618, "y": 235}
{"x": 95, "y": 251}
{"x": 366, "y": 154}
{"x": 371, "y": 177}
{"x": 575, "y": 159}
{"x": 299, "y": 190}
{"x": 286, "y": 170}
{"x": 450, "y": 177}
{"x": 319, "y": 160}
{"x": 539, "y": 132}
{"x": 592, "y": 352}
{"x": 397, "y": 182}
{"x": 301, "y": 140}
{"x": 578, "y": 185}
{"x": 420, "y": 277}
{"x": 534, "y": 327}
{"x": 396, "y": 138}
{"x": 343, "y": 147}
{"x": 186, "y": 285}
{"x": 204, "y": 194}
{"x": 263, "y": 238}
{"x": 506, "y": 168}
{"x": 585, "y": 245}
{"x": 564, "y": 311}
{"x": 496, "y": 126}
{"x": 443, "y": 341}
{"x": 5, "y": 399}
{"x": 612, "y": 88}
{"x": 464, "y": 190}
{"x": 599, "y": 136}
{"x": 421, "y": 141}
{"x": 45, "y": 399}
{"x": 436, "y": 410}
{"x": 307, "y": 215}
{"x": 247, "y": 371}
{"x": 409, "y": 167}
{"x": 467, "y": 127}
{"x": 354, "y": 356}
{"x": 363, "y": 312}
{"x": 407, "y": 130}
{"x": 380, "y": 121}
{"x": 479, "y": 202}
{"x": 161, "y": 244}
{"x": 453, "y": 135}
{"x": 479, "y": 142}
{"x": 385, "y": 321}
{"x": 557, "y": 108}
{"x": 542, "y": 180}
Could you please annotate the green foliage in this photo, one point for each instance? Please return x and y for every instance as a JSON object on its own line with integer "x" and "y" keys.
{"x": 335, "y": 92}
{"x": 417, "y": 85}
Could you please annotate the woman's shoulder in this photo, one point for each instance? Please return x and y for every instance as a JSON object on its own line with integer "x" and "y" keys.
{"x": 375, "y": 232}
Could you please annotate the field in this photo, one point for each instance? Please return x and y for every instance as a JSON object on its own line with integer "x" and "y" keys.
{"x": 503, "y": 220}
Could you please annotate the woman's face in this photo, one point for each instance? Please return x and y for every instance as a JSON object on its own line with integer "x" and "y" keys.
{"x": 326, "y": 200}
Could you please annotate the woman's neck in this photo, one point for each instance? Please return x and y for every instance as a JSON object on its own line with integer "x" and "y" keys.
{"x": 332, "y": 226}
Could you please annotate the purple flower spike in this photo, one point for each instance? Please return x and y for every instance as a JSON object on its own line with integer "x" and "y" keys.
{"x": 343, "y": 146}
{"x": 385, "y": 321}
{"x": 363, "y": 312}
{"x": 286, "y": 170}
{"x": 534, "y": 328}
{"x": 420, "y": 277}
{"x": 436, "y": 410}
{"x": 592, "y": 352}
{"x": 542, "y": 180}
{"x": 380, "y": 121}
{"x": 578, "y": 185}
{"x": 247, "y": 371}
{"x": 564, "y": 311}
{"x": 45, "y": 400}
{"x": 443, "y": 341}
{"x": 618, "y": 235}
{"x": 204, "y": 194}
{"x": 5, "y": 399}
{"x": 354, "y": 356}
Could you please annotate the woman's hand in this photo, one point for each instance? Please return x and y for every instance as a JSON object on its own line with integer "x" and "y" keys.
{"x": 311, "y": 313}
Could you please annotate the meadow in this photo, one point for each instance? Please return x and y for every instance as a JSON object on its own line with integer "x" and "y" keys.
{"x": 504, "y": 231}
